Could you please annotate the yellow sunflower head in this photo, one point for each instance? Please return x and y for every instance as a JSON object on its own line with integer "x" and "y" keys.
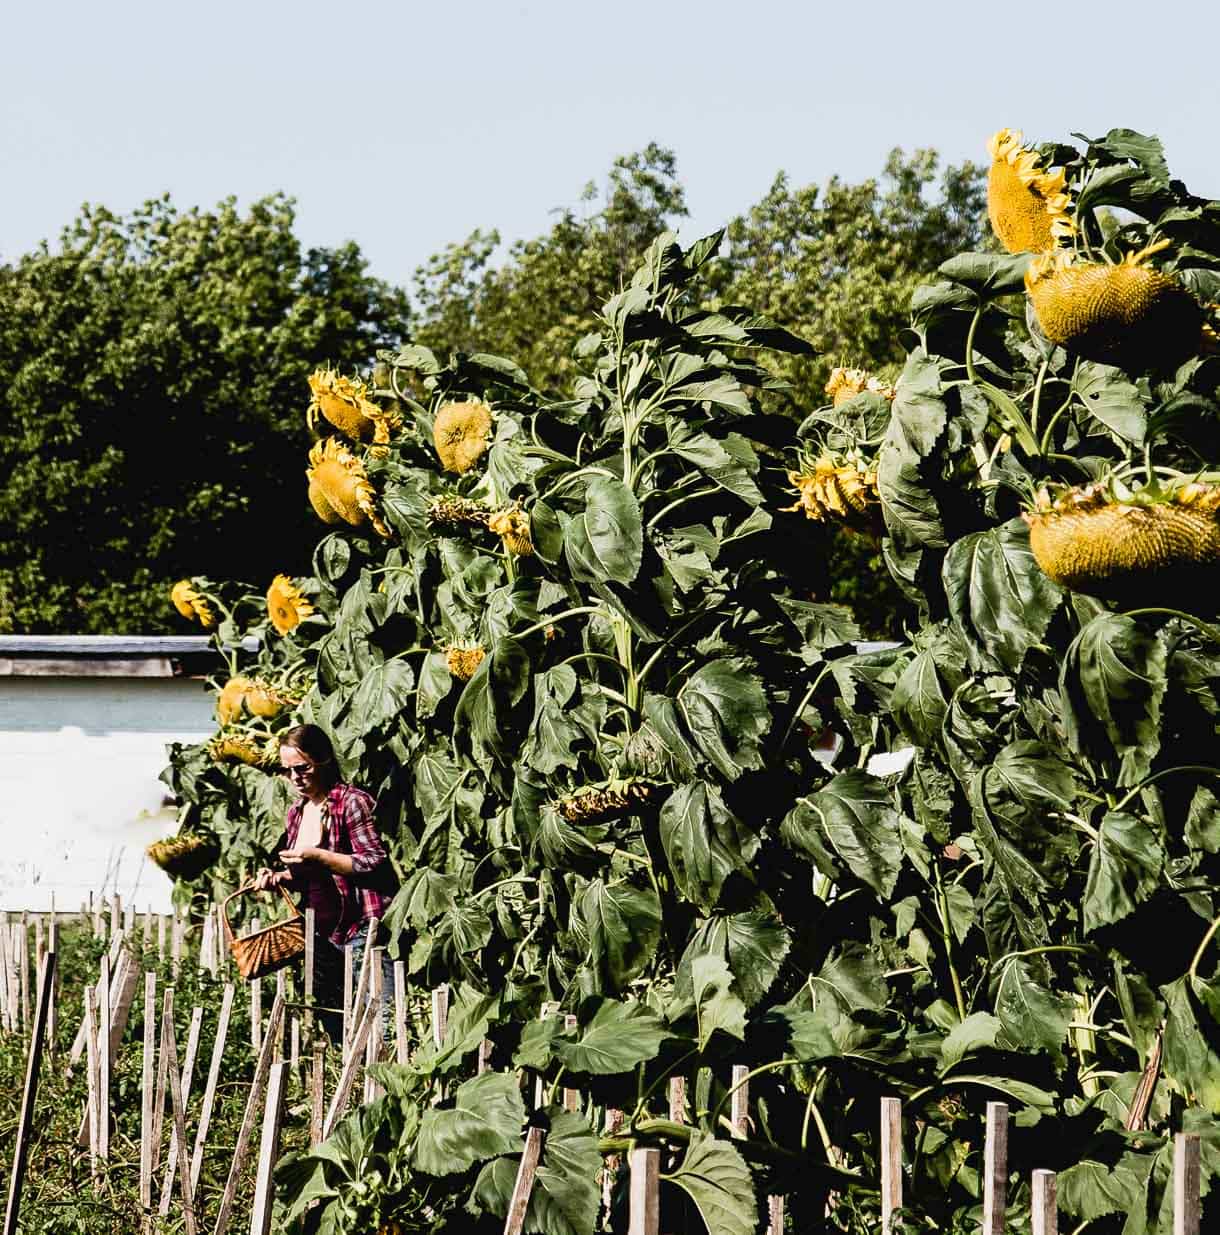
{"x": 1028, "y": 205}
{"x": 1127, "y": 313}
{"x": 191, "y": 604}
{"x": 463, "y": 661}
{"x": 845, "y": 384}
{"x": 339, "y": 489}
{"x": 513, "y": 528}
{"x": 461, "y": 434}
{"x": 241, "y": 748}
{"x": 344, "y": 402}
{"x": 230, "y": 699}
{"x": 833, "y": 491}
{"x": 1124, "y": 548}
{"x": 286, "y": 606}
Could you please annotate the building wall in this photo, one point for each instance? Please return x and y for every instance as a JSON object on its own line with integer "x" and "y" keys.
{"x": 80, "y": 796}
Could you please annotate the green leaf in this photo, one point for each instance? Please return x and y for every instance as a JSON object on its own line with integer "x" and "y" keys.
{"x": 617, "y": 1038}
{"x": 725, "y": 710}
{"x": 382, "y": 694}
{"x": 998, "y": 596}
{"x": 716, "y": 1006}
{"x": 1124, "y": 869}
{"x": 605, "y": 542}
{"x": 731, "y": 470}
{"x": 715, "y": 1176}
{"x": 623, "y": 927}
{"x": 1112, "y": 399}
{"x": 435, "y": 683}
{"x": 919, "y": 701}
{"x": 1089, "y": 1189}
{"x": 755, "y": 944}
{"x": 988, "y": 274}
{"x": 1033, "y": 1017}
{"x": 704, "y": 841}
{"x": 1192, "y": 1041}
{"x": 856, "y": 815}
{"x": 977, "y": 1031}
{"x": 1203, "y": 821}
{"x": 1112, "y": 683}
{"x": 486, "y": 1120}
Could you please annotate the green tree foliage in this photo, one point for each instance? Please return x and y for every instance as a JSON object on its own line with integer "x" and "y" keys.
{"x": 152, "y": 370}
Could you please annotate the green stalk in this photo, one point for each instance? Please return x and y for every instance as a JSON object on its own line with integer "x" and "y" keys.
{"x": 1037, "y": 399}
{"x": 942, "y": 907}
{"x": 1198, "y": 956}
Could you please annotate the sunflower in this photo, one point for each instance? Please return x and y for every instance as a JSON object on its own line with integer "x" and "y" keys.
{"x": 1124, "y": 546}
{"x": 597, "y": 803}
{"x": 191, "y": 604}
{"x": 832, "y": 491}
{"x": 232, "y": 696}
{"x": 185, "y": 856}
{"x": 460, "y": 434}
{"x": 344, "y": 402}
{"x": 1027, "y": 204}
{"x": 241, "y": 748}
{"x": 339, "y": 488}
{"x": 513, "y": 528}
{"x": 845, "y": 384}
{"x": 259, "y": 697}
{"x": 447, "y": 514}
{"x": 463, "y": 661}
{"x": 1127, "y": 313}
{"x": 286, "y": 606}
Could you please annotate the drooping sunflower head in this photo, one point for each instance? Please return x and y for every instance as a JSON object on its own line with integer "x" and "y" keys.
{"x": 1126, "y": 546}
{"x": 463, "y": 661}
{"x": 344, "y": 402}
{"x": 461, "y": 434}
{"x": 242, "y": 748}
{"x": 339, "y": 488}
{"x": 185, "y": 856}
{"x": 1127, "y": 313}
{"x": 1027, "y": 204}
{"x": 449, "y": 514}
{"x": 834, "y": 490}
{"x": 513, "y": 528}
{"x": 286, "y": 605}
{"x": 845, "y": 384}
{"x": 230, "y": 699}
{"x": 190, "y": 602}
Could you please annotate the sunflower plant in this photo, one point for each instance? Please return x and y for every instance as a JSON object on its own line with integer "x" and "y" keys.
{"x": 602, "y": 764}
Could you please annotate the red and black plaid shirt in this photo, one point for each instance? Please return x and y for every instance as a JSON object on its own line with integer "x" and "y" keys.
{"x": 342, "y": 904}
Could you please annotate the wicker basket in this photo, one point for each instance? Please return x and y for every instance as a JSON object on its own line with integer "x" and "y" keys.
{"x": 264, "y": 951}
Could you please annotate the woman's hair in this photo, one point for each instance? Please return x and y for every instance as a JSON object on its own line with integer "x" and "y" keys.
{"x": 313, "y": 743}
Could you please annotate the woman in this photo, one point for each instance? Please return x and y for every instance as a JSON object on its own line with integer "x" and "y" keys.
{"x": 335, "y": 860}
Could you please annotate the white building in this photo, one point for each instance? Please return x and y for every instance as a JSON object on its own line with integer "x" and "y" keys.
{"x": 84, "y": 725}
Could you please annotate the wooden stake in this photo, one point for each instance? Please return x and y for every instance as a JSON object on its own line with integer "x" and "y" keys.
{"x": 402, "y": 1044}
{"x": 91, "y": 1107}
{"x": 241, "y": 1149}
{"x": 169, "y": 1047}
{"x": 372, "y": 1050}
{"x": 23, "y": 969}
{"x": 310, "y": 944}
{"x": 440, "y": 1015}
{"x": 205, "y": 944}
{"x": 317, "y": 1092}
{"x": 775, "y": 1215}
{"x": 348, "y": 1022}
{"x": 645, "y": 1166}
{"x": 176, "y": 944}
{"x": 281, "y": 993}
{"x": 209, "y": 1092}
{"x": 1045, "y": 1203}
{"x": 268, "y": 1151}
{"x": 294, "y": 1045}
{"x": 484, "y": 1056}
{"x": 739, "y": 1115}
{"x": 6, "y": 998}
{"x": 995, "y": 1170}
{"x": 571, "y": 1097}
{"x": 53, "y": 1007}
{"x": 105, "y": 1058}
{"x": 614, "y": 1121}
{"x": 347, "y": 1076}
{"x": 188, "y": 1074}
{"x": 146, "y": 1090}
{"x": 167, "y": 1012}
{"x": 116, "y": 915}
{"x": 1186, "y": 1184}
{"x": 25, "y": 1121}
{"x": 146, "y": 933}
{"x": 677, "y": 1099}
{"x": 514, "y": 1223}
{"x": 161, "y": 938}
{"x": 891, "y": 1161}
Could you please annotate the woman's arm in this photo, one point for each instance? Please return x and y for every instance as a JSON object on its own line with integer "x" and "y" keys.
{"x": 336, "y": 863}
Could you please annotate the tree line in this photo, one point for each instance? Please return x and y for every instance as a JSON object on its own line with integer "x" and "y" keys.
{"x": 153, "y": 366}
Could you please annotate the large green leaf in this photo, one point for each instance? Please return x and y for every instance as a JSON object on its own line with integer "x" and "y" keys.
{"x": 382, "y": 694}
{"x": 854, "y": 811}
{"x": 1089, "y": 1189}
{"x": 605, "y": 542}
{"x": 754, "y": 943}
{"x": 725, "y": 710}
{"x": 1112, "y": 399}
{"x": 919, "y": 701}
{"x": 715, "y": 1176}
{"x": 704, "y": 841}
{"x": 623, "y": 927}
{"x": 1124, "y": 869}
{"x": 998, "y": 596}
{"x": 1034, "y": 1018}
{"x": 716, "y": 1004}
{"x": 1112, "y": 684}
{"x": 615, "y": 1039}
{"x": 1192, "y": 1040}
{"x": 485, "y": 1120}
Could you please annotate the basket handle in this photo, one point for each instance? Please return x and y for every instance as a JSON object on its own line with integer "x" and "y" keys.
{"x": 249, "y": 887}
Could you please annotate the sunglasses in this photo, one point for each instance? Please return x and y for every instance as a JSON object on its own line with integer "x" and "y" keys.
{"x": 298, "y": 769}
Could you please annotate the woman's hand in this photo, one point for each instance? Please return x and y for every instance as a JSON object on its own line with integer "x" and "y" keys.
{"x": 301, "y": 855}
{"x": 267, "y": 878}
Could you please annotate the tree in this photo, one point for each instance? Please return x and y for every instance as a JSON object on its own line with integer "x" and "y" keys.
{"x": 153, "y": 370}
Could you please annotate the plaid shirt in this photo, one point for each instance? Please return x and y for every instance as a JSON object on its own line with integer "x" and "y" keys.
{"x": 342, "y": 904}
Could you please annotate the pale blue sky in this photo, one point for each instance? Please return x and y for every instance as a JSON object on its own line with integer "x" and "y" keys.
{"x": 405, "y": 126}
